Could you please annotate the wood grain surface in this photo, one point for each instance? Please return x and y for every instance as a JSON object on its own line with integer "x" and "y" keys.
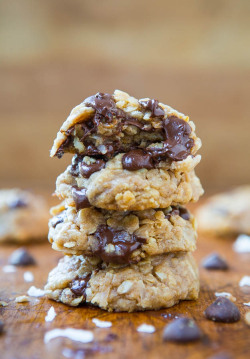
{"x": 25, "y": 324}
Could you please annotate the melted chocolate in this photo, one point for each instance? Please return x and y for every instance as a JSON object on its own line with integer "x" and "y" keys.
{"x": 78, "y": 286}
{"x": 125, "y": 244}
{"x": 176, "y": 146}
{"x": 178, "y": 211}
{"x": 87, "y": 170}
{"x": 137, "y": 159}
{"x": 80, "y": 198}
{"x": 153, "y": 106}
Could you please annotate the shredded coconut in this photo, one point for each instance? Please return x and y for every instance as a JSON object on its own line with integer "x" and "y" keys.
{"x": 247, "y": 304}
{"x": 3, "y": 304}
{"x": 51, "y": 314}
{"x": 78, "y": 335}
{"x": 28, "y": 276}
{"x": 242, "y": 244}
{"x": 22, "y": 299}
{"x": 245, "y": 281}
{"x": 225, "y": 294}
{"x": 36, "y": 292}
{"x": 101, "y": 323}
{"x": 146, "y": 328}
{"x": 9, "y": 269}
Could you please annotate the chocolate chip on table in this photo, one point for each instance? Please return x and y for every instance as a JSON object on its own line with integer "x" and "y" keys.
{"x": 21, "y": 257}
{"x": 137, "y": 159}
{"x": 1, "y": 327}
{"x": 18, "y": 203}
{"x": 182, "y": 330}
{"x": 223, "y": 310}
{"x": 80, "y": 198}
{"x": 214, "y": 261}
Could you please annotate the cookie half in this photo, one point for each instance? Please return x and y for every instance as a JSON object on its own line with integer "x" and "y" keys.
{"x": 23, "y": 216}
{"x": 154, "y": 283}
{"x": 121, "y": 237}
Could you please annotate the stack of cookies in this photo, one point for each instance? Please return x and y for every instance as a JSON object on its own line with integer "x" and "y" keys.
{"x": 121, "y": 223}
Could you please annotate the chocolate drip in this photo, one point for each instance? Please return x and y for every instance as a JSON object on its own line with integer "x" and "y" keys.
{"x": 78, "y": 286}
{"x": 153, "y": 106}
{"x": 125, "y": 244}
{"x": 87, "y": 170}
{"x": 80, "y": 198}
{"x": 178, "y": 211}
{"x": 137, "y": 159}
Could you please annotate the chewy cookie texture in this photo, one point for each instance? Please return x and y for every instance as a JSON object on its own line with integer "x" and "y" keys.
{"x": 23, "y": 216}
{"x": 121, "y": 237}
{"x": 121, "y": 224}
{"x": 158, "y": 282}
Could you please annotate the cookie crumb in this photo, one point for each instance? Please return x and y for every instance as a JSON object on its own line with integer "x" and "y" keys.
{"x": 182, "y": 330}
{"x": 242, "y": 244}
{"x": 226, "y": 295}
{"x": 101, "y": 323}
{"x": 222, "y": 310}
{"x": 22, "y": 299}
{"x": 146, "y": 328}
{"x": 247, "y": 318}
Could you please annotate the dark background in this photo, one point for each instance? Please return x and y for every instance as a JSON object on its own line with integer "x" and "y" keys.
{"x": 192, "y": 55}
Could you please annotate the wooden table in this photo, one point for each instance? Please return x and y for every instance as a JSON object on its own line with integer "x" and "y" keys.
{"x": 25, "y": 325}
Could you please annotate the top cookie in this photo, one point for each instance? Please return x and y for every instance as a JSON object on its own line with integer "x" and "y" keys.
{"x": 104, "y": 125}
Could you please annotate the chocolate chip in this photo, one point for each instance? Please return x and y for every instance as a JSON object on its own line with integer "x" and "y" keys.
{"x": 87, "y": 170}
{"x": 178, "y": 211}
{"x": 18, "y": 203}
{"x": 1, "y": 327}
{"x": 223, "y": 310}
{"x": 153, "y": 106}
{"x": 79, "y": 286}
{"x": 214, "y": 261}
{"x": 124, "y": 244}
{"x": 137, "y": 159}
{"x": 56, "y": 220}
{"x": 182, "y": 330}
{"x": 21, "y": 257}
{"x": 80, "y": 198}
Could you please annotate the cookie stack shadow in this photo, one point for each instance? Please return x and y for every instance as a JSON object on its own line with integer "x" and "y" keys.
{"x": 122, "y": 223}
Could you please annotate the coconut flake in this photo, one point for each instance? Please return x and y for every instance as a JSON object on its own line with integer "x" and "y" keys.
{"x": 146, "y": 328}
{"x": 9, "y": 269}
{"x": 242, "y": 244}
{"x": 51, "y": 314}
{"x": 3, "y": 304}
{"x": 247, "y": 304}
{"x": 78, "y": 335}
{"x": 28, "y": 276}
{"x": 22, "y": 299}
{"x": 226, "y": 295}
{"x": 245, "y": 281}
{"x": 35, "y": 292}
{"x": 101, "y": 323}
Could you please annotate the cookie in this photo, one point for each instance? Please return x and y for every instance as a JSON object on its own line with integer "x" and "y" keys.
{"x": 114, "y": 188}
{"x": 154, "y": 283}
{"x": 121, "y": 237}
{"x": 226, "y": 213}
{"x": 104, "y": 125}
{"x": 23, "y": 216}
